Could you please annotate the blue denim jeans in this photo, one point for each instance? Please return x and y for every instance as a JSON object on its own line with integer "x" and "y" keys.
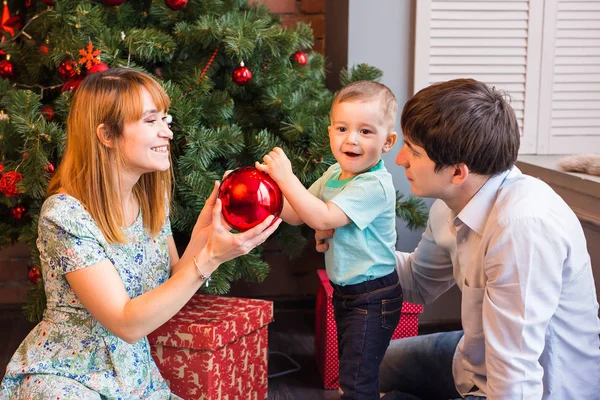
{"x": 420, "y": 368}
{"x": 366, "y": 315}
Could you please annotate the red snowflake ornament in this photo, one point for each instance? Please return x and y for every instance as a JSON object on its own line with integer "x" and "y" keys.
{"x": 90, "y": 56}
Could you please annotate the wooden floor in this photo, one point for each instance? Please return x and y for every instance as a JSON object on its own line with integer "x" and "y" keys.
{"x": 291, "y": 333}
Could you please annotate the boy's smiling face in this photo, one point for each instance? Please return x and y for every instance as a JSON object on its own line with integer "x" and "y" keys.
{"x": 358, "y": 134}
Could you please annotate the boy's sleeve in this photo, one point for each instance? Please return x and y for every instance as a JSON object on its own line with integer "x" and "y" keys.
{"x": 69, "y": 241}
{"x": 363, "y": 199}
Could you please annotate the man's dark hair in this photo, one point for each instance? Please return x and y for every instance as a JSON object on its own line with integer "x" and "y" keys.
{"x": 463, "y": 121}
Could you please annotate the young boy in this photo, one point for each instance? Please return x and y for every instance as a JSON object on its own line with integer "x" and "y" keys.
{"x": 356, "y": 197}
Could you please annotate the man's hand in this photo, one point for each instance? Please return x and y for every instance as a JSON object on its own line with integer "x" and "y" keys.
{"x": 321, "y": 239}
{"x": 277, "y": 165}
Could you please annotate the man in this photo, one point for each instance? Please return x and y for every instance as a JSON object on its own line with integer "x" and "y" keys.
{"x": 511, "y": 244}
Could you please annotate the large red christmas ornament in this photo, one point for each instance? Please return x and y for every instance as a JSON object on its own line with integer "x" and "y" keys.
{"x": 18, "y": 211}
{"x": 72, "y": 84}
{"x": 300, "y": 58}
{"x": 248, "y": 197}
{"x": 8, "y": 183}
{"x": 176, "y": 5}
{"x": 7, "y": 68}
{"x": 67, "y": 70}
{"x": 99, "y": 67}
{"x": 113, "y": 2}
{"x": 34, "y": 275}
{"x": 241, "y": 75}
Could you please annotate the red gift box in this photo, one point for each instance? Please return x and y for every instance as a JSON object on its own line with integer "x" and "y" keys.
{"x": 326, "y": 346}
{"x": 215, "y": 348}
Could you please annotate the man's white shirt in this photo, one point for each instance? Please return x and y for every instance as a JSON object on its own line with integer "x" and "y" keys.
{"x": 529, "y": 309}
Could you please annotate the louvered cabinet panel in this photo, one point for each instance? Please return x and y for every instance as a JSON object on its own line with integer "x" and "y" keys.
{"x": 569, "y": 120}
{"x": 496, "y": 42}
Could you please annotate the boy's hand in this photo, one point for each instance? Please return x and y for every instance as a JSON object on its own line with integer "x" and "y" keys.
{"x": 276, "y": 164}
{"x": 321, "y": 239}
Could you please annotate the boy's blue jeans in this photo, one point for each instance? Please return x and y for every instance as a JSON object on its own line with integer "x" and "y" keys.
{"x": 366, "y": 315}
{"x": 420, "y": 367}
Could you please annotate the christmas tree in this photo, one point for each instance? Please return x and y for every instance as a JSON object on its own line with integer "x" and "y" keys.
{"x": 240, "y": 84}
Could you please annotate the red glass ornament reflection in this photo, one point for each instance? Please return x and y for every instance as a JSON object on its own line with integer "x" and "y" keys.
{"x": 49, "y": 168}
{"x": 48, "y": 112}
{"x": 248, "y": 197}
{"x": 67, "y": 70}
{"x": 7, "y": 69}
{"x": 98, "y": 67}
{"x": 300, "y": 58}
{"x": 34, "y": 275}
{"x": 241, "y": 75}
{"x": 72, "y": 84}
{"x": 176, "y": 5}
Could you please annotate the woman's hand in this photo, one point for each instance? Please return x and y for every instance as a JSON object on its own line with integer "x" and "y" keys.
{"x": 223, "y": 245}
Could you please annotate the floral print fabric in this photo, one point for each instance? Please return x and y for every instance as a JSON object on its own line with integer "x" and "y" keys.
{"x": 70, "y": 355}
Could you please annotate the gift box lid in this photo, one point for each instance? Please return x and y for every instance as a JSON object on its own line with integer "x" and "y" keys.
{"x": 210, "y": 322}
{"x": 407, "y": 307}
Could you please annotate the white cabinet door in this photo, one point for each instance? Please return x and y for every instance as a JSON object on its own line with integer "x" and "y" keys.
{"x": 496, "y": 42}
{"x": 569, "y": 116}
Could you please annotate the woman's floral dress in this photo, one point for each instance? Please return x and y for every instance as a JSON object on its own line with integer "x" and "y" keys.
{"x": 70, "y": 355}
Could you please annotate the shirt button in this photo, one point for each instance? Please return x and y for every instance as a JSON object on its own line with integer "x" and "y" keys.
{"x": 463, "y": 239}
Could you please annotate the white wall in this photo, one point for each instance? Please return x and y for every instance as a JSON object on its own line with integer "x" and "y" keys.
{"x": 380, "y": 33}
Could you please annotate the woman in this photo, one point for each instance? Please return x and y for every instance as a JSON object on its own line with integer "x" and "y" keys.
{"x": 111, "y": 270}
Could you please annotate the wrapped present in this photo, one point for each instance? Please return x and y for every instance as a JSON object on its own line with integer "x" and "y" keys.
{"x": 326, "y": 346}
{"x": 215, "y": 348}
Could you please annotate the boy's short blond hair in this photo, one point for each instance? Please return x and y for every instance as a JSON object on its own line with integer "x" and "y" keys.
{"x": 367, "y": 90}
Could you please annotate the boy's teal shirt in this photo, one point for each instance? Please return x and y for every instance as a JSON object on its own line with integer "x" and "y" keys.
{"x": 364, "y": 249}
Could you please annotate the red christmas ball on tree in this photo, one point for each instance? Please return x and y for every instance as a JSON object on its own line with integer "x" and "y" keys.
{"x": 241, "y": 75}
{"x": 176, "y": 5}
{"x": 18, "y": 211}
{"x": 72, "y": 84}
{"x": 113, "y": 2}
{"x": 34, "y": 275}
{"x": 98, "y": 67}
{"x": 1, "y": 168}
{"x": 8, "y": 183}
{"x": 48, "y": 112}
{"x": 300, "y": 58}
{"x": 248, "y": 197}
{"x": 7, "y": 68}
{"x": 49, "y": 168}
{"x": 67, "y": 70}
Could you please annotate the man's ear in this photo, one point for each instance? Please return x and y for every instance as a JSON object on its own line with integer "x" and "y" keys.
{"x": 390, "y": 142}
{"x": 103, "y": 137}
{"x": 460, "y": 173}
